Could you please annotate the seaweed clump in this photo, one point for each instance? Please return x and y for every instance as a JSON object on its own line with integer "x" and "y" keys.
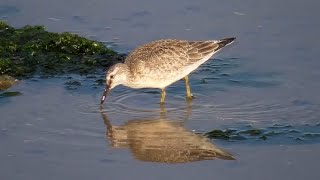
{"x": 6, "y": 82}
{"x": 31, "y": 49}
{"x": 277, "y": 133}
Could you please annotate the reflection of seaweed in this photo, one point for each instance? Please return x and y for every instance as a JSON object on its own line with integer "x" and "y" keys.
{"x": 283, "y": 133}
{"x": 9, "y": 94}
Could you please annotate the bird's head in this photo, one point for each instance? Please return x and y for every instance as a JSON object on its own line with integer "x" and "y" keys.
{"x": 116, "y": 75}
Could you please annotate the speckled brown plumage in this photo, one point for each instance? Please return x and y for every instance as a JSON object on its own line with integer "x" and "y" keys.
{"x": 161, "y": 63}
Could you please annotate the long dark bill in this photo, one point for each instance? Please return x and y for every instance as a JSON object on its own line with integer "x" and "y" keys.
{"x": 105, "y": 93}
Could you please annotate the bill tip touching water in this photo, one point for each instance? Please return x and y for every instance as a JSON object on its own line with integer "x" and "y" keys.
{"x": 160, "y": 63}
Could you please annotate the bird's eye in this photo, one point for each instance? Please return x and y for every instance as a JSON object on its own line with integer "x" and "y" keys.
{"x": 112, "y": 76}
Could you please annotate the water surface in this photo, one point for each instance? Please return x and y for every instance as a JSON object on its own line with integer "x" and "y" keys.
{"x": 268, "y": 78}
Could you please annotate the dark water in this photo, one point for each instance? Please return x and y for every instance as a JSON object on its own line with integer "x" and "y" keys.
{"x": 268, "y": 79}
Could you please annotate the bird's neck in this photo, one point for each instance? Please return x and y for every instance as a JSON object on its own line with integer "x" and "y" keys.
{"x": 127, "y": 73}
{"x": 130, "y": 81}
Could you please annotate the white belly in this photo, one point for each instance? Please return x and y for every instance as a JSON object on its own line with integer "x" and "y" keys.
{"x": 156, "y": 82}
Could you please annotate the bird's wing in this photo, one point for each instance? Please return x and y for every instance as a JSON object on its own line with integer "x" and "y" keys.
{"x": 198, "y": 50}
{"x": 162, "y": 56}
{"x": 165, "y": 56}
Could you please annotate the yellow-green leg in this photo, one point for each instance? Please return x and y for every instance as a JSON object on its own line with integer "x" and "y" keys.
{"x": 163, "y": 95}
{"x": 189, "y": 94}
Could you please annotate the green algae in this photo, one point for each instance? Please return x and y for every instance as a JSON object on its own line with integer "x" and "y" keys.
{"x": 32, "y": 50}
{"x": 279, "y": 133}
{"x": 6, "y": 82}
{"x": 3, "y": 25}
{"x": 228, "y": 134}
{"x": 244, "y": 133}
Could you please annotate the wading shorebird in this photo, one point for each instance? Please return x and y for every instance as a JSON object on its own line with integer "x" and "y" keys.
{"x": 160, "y": 63}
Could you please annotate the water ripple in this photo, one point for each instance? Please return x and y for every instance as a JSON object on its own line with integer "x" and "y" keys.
{"x": 134, "y": 102}
{"x": 257, "y": 110}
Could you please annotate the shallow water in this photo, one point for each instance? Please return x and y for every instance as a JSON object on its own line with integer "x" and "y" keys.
{"x": 268, "y": 79}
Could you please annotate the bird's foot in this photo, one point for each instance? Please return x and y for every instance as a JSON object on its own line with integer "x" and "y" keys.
{"x": 190, "y": 96}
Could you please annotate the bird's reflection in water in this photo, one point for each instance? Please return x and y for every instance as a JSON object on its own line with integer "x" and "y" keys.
{"x": 162, "y": 140}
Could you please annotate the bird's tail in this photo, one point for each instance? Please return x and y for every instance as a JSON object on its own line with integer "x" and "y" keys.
{"x": 224, "y": 42}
